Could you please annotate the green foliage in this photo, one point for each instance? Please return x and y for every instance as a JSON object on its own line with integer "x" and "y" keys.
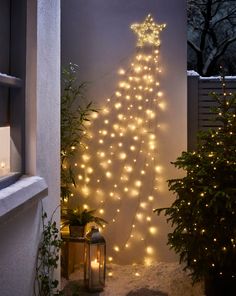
{"x": 79, "y": 217}
{"x": 75, "y": 112}
{"x": 47, "y": 259}
{"x": 203, "y": 215}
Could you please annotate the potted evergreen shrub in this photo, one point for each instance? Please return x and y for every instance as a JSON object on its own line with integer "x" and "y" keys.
{"x": 78, "y": 218}
{"x": 203, "y": 215}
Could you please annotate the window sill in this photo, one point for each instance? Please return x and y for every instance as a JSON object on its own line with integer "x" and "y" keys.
{"x": 9, "y": 179}
{"x": 10, "y": 81}
{"x": 21, "y": 192}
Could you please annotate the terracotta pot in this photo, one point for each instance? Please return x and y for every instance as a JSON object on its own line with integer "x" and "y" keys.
{"x": 220, "y": 286}
{"x": 76, "y": 231}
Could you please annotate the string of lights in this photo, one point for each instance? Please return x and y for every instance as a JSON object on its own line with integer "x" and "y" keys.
{"x": 119, "y": 167}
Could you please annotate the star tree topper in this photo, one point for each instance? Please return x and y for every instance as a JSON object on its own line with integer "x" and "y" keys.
{"x": 148, "y": 32}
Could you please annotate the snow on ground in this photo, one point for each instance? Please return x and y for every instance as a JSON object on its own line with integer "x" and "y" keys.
{"x": 160, "y": 279}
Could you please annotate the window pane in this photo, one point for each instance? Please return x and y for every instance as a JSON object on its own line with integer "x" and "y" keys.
{"x": 4, "y": 151}
{"x": 4, "y": 35}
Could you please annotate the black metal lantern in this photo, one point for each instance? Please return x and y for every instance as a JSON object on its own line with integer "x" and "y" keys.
{"x": 95, "y": 261}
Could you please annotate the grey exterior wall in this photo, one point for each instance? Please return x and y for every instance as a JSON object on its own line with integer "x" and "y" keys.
{"x": 96, "y": 35}
{"x": 21, "y": 228}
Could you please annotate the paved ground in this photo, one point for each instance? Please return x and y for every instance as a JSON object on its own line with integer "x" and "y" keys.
{"x": 159, "y": 279}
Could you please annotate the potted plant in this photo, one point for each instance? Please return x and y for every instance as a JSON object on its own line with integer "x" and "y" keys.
{"x": 75, "y": 113}
{"x": 203, "y": 215}
{"x": 78, "y": 218}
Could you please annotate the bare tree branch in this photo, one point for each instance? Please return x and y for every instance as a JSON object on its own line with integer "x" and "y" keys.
{"x": 212, "y": 29}
{"x": 194, "y": 46}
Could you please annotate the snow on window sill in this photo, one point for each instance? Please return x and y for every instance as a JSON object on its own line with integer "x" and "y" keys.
{"x": 22, "y": 191}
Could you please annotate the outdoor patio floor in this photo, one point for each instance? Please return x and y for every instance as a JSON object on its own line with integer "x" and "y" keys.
{"x": 159, "y": 279}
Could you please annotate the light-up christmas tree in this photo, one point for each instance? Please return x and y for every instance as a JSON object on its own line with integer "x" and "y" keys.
{"x": 119, "y": 168}
{"x": 204, "y": 212}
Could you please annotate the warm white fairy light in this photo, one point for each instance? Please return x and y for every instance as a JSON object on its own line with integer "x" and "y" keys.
{"x": 153, "y": 230}
{"x": 120, "y": 162}
{"x": 149, "y": 250}
{"x": 116, "y": 248}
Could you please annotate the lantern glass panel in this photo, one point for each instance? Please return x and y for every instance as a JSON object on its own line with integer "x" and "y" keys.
{"x": 102, "y": 253}
{"x": 95, "y": 261}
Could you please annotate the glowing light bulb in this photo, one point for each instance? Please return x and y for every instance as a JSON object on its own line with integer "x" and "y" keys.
{"x": 143, "y": 205}
{"x": 85, "y": 157}
{"x": 118, "y": 105}
{"x": 128, "y": 169}
{"x": 158, "y": 169}
{"x": 138, "y": 183}
{"x": 149, "y": 250}
{"x": 147, "y": 261}
{"x": 153, "y": 230}
{"x": 120, "y": 116}
{"x": 108, "y": 174}
{"x": 139, "y": 216}
{"x": 121, "y": 71}
{"x": 162, "y": 105}
{"x": 137, "y": 69}
{"x": 89, "y": 170}
{"x": 122, "y": 155}
{"x": 134, "y": 193}
{"x": 94, "y": 115}
{"x": 116, "y": 248}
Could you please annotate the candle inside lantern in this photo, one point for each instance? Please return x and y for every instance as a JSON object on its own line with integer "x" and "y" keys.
{"x": 5, "y": 151}
{"x": 3, "y": 168}
{"x": 95, "y": 272}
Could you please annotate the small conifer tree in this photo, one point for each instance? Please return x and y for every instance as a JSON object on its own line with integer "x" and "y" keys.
{"x": 203, "y": 215}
